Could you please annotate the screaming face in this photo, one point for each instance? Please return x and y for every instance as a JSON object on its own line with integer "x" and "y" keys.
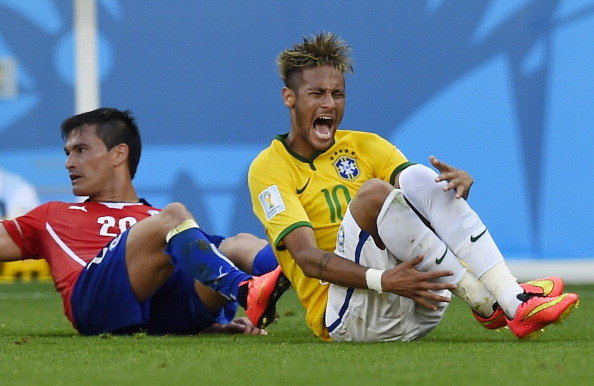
{"x": 316, "y": 110}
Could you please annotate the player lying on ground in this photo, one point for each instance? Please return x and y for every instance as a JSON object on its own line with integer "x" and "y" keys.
{"x": 349, "y": 217}
{"x": 121, "y": 265}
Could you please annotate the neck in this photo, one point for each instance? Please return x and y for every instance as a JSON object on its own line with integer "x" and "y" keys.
{"x": 122, "y": 192}
{"x": 294, "y": 145}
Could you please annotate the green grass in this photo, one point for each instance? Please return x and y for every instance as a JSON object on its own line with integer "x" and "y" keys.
{"x": 38, "y": 346}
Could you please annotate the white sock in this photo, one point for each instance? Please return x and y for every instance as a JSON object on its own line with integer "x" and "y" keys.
{"x": 504, "y": 287}
{"x": 453, "y": 219}
{"x": 473, "y": 292}
{"x": 406, "y": 237}
{"x": 462, "y": 230}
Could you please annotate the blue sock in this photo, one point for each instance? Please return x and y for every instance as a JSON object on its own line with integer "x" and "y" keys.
{"x": 192, "y": 252}
{"x": 264, "y": 262}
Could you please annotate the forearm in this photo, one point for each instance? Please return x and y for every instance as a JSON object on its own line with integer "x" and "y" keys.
{"x": 321, "y": 264}
{"x": 334, "y": 269}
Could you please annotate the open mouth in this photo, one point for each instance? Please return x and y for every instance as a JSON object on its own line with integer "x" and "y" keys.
{"x": 323, "y": 127}
{"x": 74, "y": 177}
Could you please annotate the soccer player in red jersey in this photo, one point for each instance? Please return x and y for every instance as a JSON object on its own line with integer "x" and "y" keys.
{"x": 123, "y": 266}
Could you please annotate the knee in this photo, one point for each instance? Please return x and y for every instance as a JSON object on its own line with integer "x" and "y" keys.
{"x": 419, "y": 179}
{"x": 242, "y": 244}
{"x": 373, "y": 193}
{"x": 368, "y": 202}
{"x": 248, "y": 239}
{"x": 174, "y": 213}
{"x": 241, "y": 249}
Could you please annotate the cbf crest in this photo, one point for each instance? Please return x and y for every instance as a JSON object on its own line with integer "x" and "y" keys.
{"x": 346, "y": 167}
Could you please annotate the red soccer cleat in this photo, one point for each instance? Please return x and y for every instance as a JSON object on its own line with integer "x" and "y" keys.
{"x": 263, "y": 293}
{"x": 539, "y": 311}
{"x": 549, "y": 286}
{"x": 493, "y": 322}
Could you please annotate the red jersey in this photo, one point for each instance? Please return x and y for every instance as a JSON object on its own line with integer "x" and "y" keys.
{"x": 69, "y": 235}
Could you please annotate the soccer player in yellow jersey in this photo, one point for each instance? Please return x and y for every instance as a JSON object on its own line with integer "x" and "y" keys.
{"x": 371, "y": 242}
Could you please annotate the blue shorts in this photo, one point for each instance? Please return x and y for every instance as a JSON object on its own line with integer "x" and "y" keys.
{"x": 103, "y": 301}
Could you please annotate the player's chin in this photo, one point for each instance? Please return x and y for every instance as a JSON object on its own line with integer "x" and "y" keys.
{"x": 322, "y": 143}
{"x": 323, "y": 146}
{"x": 79, "y": 191}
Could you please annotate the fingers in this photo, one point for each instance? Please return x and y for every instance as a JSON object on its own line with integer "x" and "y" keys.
{"x": 426, "y": 304}
{"x": 431, "y": 275}
{"x": 247, "y": 327}
{"x": 234, "y": 328}
{"x": 253, "y": 330}
{"x": 429, "y": 299}
{"x": 458, "y": 180}
{"x": 460, "y": 191}
{"x": 238, "y": 328}
{"x": 452, "y": 184}
{"x": 434, "y": 161}
{"x": 460, "y": 185}
{"x": 413, "y": 262}
{"x": 442, "y": 166}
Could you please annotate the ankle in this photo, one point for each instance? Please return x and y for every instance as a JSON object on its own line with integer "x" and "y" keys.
{"x": 242, "y": 293}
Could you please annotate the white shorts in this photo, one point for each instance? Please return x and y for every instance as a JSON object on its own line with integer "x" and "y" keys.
{"x": 363, "y": 315}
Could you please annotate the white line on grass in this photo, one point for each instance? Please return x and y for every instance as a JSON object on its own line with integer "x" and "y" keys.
{"x": 27, "y": 295}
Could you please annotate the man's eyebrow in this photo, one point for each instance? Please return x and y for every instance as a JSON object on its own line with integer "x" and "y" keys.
{"x": 74, "y": 145}
{"x": 320, "y": 88}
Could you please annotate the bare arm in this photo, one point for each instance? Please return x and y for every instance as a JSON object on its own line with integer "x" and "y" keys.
{"x": 403, "y": 279}
{"x": 9, "y": 251}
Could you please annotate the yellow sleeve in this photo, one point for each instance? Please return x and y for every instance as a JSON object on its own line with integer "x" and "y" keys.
{"x": 274, "y": 199}
{"x": 387, "y": 159}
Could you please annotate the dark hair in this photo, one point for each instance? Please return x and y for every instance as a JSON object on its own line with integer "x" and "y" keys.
{"x": 323, "y": 49}
{"x": 114, "y": 127}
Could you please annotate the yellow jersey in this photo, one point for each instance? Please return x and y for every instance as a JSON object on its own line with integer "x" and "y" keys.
{"x": 289, "y": 191}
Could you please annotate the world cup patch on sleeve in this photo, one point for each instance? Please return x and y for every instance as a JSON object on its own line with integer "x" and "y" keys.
{"x": 271, "y": 202}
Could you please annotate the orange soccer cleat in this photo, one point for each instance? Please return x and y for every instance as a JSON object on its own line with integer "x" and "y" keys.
{"x": 263, "y": 293}
{"x": 538, "y": 312}
{"x": 549, "y": 286}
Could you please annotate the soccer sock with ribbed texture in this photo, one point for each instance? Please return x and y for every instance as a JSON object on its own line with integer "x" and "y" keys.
{"x": 192, "y": 252}
{"x": 407, "y": 237}
{"x": 454, "y": 221}
{"x": 264, "y": 261}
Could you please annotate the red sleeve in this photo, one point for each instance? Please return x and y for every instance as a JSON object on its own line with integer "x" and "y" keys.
{"x": 25, "y": 231}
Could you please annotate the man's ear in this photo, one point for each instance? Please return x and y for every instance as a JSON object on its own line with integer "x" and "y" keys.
{"x": 288, "y": 97}
{"x": 120, "y": 153}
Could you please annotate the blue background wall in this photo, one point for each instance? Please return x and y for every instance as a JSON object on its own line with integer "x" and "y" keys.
{"x": 503, "y": 89}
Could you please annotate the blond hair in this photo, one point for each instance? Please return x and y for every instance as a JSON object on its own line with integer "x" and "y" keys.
{"x": 323, "y": 49}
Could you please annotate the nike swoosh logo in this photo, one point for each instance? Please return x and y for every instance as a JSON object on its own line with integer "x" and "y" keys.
{"x": 438, "y": 261}
{"x": 544, "y": 306}
{"x": 546, "y": 285}
{"x": 299, "y": 191}
{"x": 475, "y": 238}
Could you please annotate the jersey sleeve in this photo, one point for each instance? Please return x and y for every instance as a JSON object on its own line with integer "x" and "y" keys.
{"x": 274, "y": 199}
{"x": 388, "y": 160}
{"x": 24, "y": 231}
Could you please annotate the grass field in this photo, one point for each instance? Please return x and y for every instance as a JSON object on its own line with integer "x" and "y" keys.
{"x": 38, "y": 346}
